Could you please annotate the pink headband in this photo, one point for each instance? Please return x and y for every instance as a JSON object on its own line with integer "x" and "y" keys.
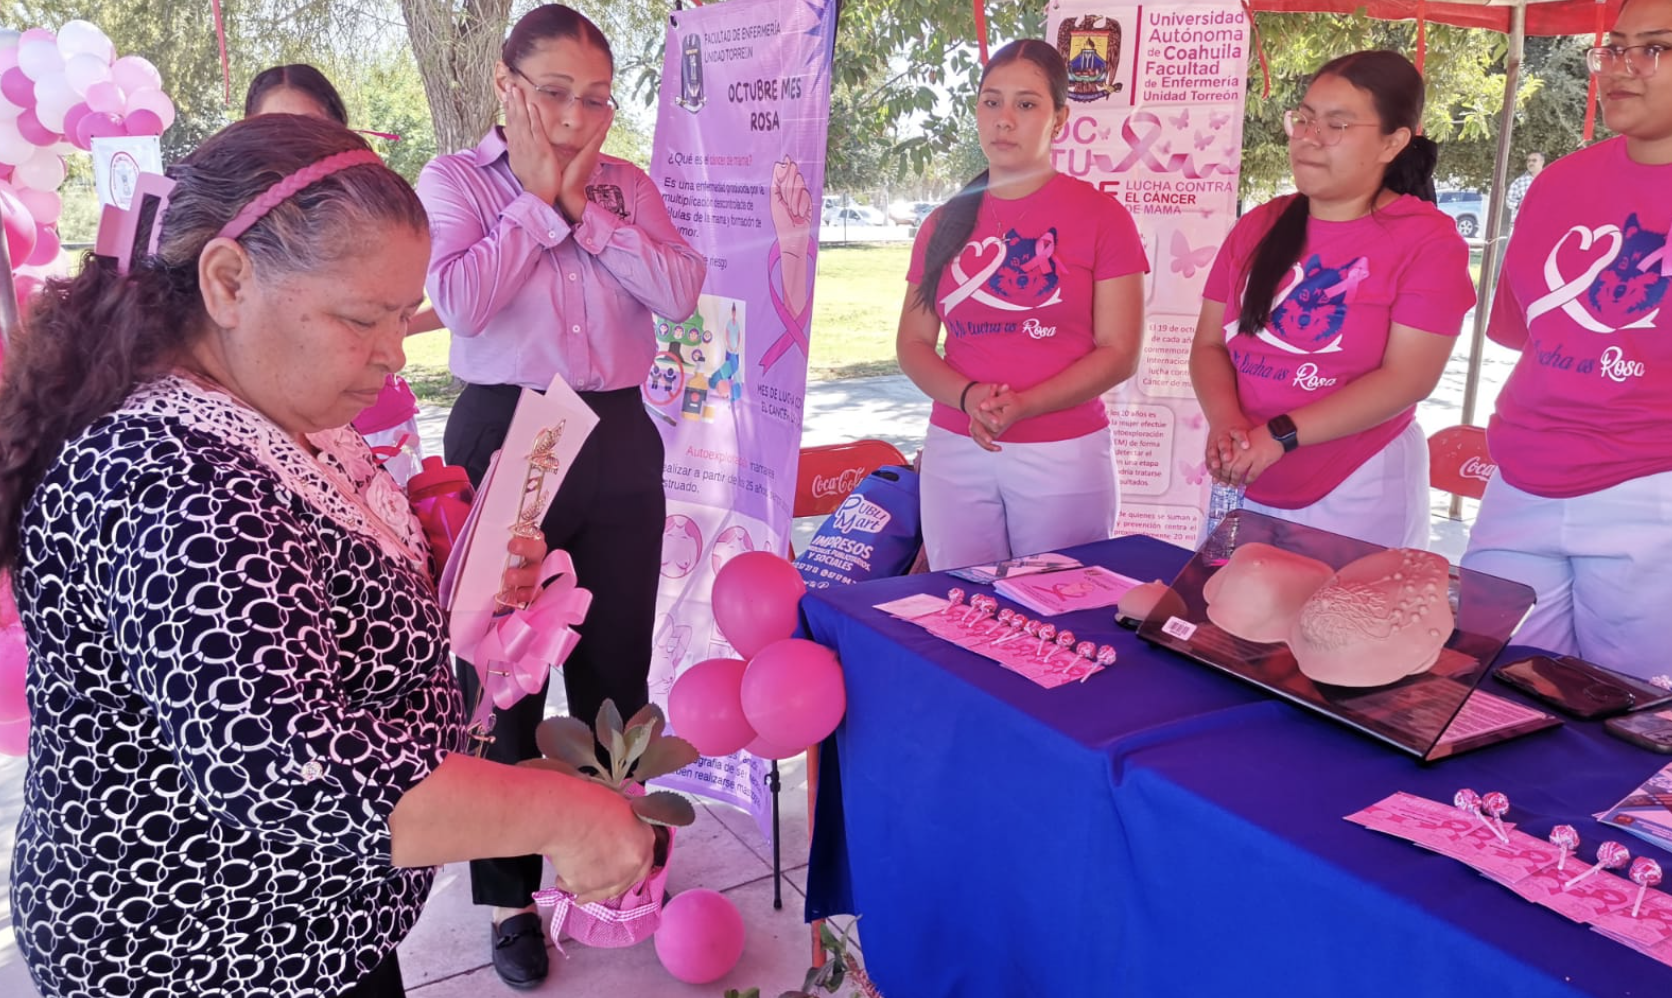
{"x": 286, "y": 188}
{"x": 118, "y": 227}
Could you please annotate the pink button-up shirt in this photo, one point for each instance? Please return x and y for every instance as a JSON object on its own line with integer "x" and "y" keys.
{"x": 527, "y": 295}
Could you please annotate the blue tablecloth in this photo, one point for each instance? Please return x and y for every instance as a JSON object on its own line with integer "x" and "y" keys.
{"x": 1161, "y": 829}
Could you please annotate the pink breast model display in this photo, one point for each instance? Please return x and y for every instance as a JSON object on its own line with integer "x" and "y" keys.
{"x": 1140, "y": 602}
{"x": 1259, "y": 592}
{"x": 1379, "y": 619}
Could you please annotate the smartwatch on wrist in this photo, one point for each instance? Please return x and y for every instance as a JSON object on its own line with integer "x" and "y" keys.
{"x": 1282, "y": 430}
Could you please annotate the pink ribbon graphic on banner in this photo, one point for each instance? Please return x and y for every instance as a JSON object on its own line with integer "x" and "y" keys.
{"x": 513, "y": 656}
{"x": 795, "y": 332}
{"x": 1143, "y": 146}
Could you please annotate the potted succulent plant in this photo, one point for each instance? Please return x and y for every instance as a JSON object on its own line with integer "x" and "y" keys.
{"x": 637, "y": 752}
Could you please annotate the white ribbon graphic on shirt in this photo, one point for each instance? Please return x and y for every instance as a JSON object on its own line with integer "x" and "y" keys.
{"x": 1565, "y": 295}
{"x": 971, "y": 286}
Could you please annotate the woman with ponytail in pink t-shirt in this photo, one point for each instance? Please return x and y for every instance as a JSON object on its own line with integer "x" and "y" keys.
{"x": 1037, "y": 279}
{"x": 1329, "y": 314}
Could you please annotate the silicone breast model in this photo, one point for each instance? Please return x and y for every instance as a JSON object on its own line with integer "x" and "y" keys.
{"x": 1259, "y": 592}
{"x": 1379, "y": 619}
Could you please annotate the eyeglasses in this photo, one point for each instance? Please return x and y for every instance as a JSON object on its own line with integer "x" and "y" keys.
{"x": 562, "y": 97}
{"x": 1631, "y": 60}
{"x": 1299, "y": 124}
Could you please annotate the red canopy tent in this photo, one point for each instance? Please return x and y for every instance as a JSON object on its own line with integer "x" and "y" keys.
{"x": 1518, "y": 19}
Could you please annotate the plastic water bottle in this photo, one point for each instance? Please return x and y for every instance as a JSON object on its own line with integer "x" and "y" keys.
{"x": 1222, "y": 502}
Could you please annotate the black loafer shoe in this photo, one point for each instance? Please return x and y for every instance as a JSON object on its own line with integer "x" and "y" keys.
{"x": 519, "y": 951}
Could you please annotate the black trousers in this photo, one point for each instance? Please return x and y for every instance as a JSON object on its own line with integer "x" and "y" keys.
{"x": 383, "y": 982}
{"x": 608, "y": 516}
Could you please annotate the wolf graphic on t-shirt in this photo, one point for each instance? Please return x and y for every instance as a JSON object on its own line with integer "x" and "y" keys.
{"x": 1028, "y": 275}
{"x": 1312, "y": 313}
{"x": 1626, "y": 290}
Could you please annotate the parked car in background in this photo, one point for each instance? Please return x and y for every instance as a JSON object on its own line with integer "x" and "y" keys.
{"x": 854, "y": 214}
{"x": 909, "y": 212}
{"x": 1467, "y": 209}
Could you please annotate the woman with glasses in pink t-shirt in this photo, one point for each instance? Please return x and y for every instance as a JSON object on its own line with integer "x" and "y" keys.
{"x": 1581, "y": 505}
{"x": 1330, "y": 313}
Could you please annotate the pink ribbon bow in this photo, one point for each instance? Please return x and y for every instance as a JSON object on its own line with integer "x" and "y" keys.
{"x": 514, "y": 654}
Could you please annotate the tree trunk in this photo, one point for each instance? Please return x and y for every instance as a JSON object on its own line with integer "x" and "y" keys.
{"x": 456, "y": 43}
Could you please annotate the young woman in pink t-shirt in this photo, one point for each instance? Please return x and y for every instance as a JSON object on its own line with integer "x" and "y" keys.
{"x": 1581, "y": 506}
{"x": 1037, "y": 278}
{"x": 1329, "y": 314}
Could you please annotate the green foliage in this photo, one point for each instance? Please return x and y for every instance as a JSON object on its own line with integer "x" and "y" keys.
{"x": 638, "y": 752}
{"x": 1464, "y": 71}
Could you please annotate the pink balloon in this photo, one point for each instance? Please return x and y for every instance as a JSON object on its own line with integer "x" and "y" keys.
{"x": 793, "y": 692}
{"x": 17, "y": 88}
{"x": 72, "y": 121}
{"x": 8, "y": 57}
{"x": 8, "y": 606}
{"x": 706, "y": 707}
{"x": 756, "y": 596}
{"x": 98, "y": 126}
{"x": 154, "y": 100}
{"x": 44, "y": 206}
{"x": 46, "y": 247}
{"x": 107, "y": 97}
{"x": 134, "y": 72}
{"x": 20, "y": 227}
{"x": 14, "y": 737}
{"x": 14, "y": 666}
{"x": 37, "y": 34}
{"x": 25, "y": 285}
{"x": 143, "y": 122}
{"x": 30, "y": 127}
{"x": 766, "y": 750}
{"x": 701, "y": 936}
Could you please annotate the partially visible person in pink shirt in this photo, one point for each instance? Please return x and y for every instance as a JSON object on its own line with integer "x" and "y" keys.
{"x": 1330, "y": 313}
{"x": 1580, "y": 508}
{"x": 551, "y": 259}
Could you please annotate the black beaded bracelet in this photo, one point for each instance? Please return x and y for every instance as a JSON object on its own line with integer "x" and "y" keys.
{"x": 964, "y": 397}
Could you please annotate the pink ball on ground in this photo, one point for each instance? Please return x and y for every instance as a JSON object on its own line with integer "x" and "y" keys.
{"x": 793, "y": 692}
{"x": 706, "y": 707}
{"x": 757, "y": 596}
{"x": 701, "y": 937}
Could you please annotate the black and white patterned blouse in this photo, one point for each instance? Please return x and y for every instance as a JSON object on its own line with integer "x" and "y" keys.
{"x": 237, "y": 667}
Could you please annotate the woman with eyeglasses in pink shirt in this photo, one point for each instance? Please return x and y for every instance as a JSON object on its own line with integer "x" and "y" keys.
{"x": 551, "y": 259}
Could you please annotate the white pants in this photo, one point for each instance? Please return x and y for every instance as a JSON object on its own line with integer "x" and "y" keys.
{"x": 1600, "y": 563}
{"x": 1384, "y": 501}
{"x": 980, "y": 507}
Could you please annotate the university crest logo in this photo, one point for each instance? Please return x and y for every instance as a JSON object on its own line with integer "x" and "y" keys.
{"x": 1091, "y": 47}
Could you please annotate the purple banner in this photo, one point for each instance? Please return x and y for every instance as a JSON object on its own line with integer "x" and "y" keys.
{"x": 739, "y": 157}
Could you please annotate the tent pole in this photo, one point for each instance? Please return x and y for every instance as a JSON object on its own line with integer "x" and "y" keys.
{"x": 1494, "y": 219}
{"x": 9, "y": 318}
